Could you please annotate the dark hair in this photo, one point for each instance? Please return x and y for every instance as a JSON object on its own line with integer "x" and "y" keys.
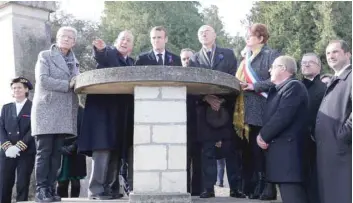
{"x": 160, "y": 28}
{"x": 344, "y": 45}
{"x": 260, "y": 30}
{"x": 25, "y": 83}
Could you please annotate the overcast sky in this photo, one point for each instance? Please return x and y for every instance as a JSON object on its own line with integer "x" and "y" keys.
{"x": 231, "y": 11}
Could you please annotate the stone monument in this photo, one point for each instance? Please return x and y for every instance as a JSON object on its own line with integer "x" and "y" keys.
{"x": 25, "y": 31}
{"x": 159, "y": 121}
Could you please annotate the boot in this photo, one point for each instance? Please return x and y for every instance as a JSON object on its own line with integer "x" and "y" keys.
{"x": 43, "y": 195}
{"x": 269, "y": 193}
{"x": 238, "y": 191}
{"x": 260, "y": 184}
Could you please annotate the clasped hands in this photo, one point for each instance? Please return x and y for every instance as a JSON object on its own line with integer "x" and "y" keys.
{"x": 12, "y": 152}
{"x": 214, "y": 101}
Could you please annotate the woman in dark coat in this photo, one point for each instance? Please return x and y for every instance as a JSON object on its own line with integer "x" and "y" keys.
{"x": 73, "y": 165}
{"x": 254, "y": 76}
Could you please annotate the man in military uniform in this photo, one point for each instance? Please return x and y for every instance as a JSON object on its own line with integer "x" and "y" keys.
{"x": 17, "y": 152}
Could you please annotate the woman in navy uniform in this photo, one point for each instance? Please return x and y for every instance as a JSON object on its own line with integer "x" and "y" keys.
{"x": 17, "y": 145}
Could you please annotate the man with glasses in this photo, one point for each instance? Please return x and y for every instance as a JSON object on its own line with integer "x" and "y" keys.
{"x": 310, "y": 68}
{"x": 283, "y": 132}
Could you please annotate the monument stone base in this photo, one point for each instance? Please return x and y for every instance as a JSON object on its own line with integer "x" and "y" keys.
{"x": 160, "y": 198}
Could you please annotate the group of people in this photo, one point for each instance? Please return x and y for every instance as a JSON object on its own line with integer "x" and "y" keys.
{"x": 277, "y": 131}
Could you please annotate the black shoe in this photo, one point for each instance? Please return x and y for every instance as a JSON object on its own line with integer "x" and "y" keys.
{"x": 260, "y": 185}
{"x": 207, "y": 195}
{"x": 56, "y": 197}
{"x": 101, "y": 196}
{"x": 43, "y": 195}
{"x": 269, "y": 193}
{"x": 237, "y": 194}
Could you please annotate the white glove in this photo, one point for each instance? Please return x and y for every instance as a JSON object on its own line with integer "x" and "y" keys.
{"x": 12, "y": 152}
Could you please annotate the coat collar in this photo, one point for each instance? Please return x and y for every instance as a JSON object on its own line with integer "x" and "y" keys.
{"x": 279, "y": 86}
{"x": 59, "y": 60}
{"x": 217, "y": 58}
{"x": 168, "y": 58}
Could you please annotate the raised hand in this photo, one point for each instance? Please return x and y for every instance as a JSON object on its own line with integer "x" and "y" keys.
{"x": 99, "y": 44}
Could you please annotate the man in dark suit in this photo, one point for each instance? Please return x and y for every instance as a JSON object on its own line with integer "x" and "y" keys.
{"x": 283, "y": 133}
{"x": 18, "y": 150}
{"x": 158, "y": 55}
{"x": 333, "y": 130}
{"x": 214, "y": 139}
{"x": 107, "y": 125}
{"x": 311, "y": 67}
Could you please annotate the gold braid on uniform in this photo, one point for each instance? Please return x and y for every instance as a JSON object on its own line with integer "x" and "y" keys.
{"x": 21, "y": 145}
{"x": 6, "y": 145}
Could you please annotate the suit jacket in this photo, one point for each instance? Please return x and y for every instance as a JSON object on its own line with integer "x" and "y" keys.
{"x": 333, "y": 133}
{"x": 107, "y": 122}
{"x": 285, "y": 125}
{"x": 54, "y": 103}
{"x": 149, "y": 59}
{"x": 16, "y": 130}
{"x": 224, "y": 61}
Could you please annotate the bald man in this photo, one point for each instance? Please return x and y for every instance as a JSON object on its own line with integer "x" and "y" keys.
{"x": 107, "y": 125}
{"x": 217, "y": 140}
{"x": 285, "y": 125}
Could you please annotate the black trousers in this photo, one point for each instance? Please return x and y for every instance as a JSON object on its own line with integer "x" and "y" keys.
{"x": 209, "y": 164}
{"x": 63, "y": 188}
{"x": 194, "y": 172}
{"x": 48, "y": 159}
{"x": 21, "y": 167}
{"x": 253, "y": 159}
{"x": 292, "y": 193}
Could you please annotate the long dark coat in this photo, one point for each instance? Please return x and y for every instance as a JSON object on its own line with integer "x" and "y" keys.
{"x": 108, "y": 119}
{"x": 285, "y": 127}
{"x": 333, "y": 133}
{"x": 224, "y": 61}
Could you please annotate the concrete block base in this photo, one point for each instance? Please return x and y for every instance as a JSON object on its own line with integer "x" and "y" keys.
{"x": 160, "y": 198}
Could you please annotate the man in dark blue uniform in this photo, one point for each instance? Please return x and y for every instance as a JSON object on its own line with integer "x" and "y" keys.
{"x": 17, "y": 144}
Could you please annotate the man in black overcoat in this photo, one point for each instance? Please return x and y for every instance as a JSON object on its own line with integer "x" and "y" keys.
{"x": 216, "y": 139}
{"x": 310, "y": 68}
{"x": 159, "y": 55}
{"x": 333, "y": 130}
{"x": 107, "y": 123}
{"x": 283, "y": 134}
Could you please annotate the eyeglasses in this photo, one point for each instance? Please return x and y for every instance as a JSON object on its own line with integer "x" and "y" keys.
{"x": 304, "y": 63}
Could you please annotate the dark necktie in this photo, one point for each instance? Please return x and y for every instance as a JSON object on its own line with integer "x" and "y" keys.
{"x": 160, "y": 59}
{"x": 209, "y": 55}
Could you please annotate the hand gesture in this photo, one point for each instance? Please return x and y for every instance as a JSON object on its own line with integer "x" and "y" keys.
{"x": 247, "y": 86}
{"x": 73, "y": 82}
{"x": 213, "y": 101}
{"x": 99, "y": 44}
{"x": 262, "y": 144}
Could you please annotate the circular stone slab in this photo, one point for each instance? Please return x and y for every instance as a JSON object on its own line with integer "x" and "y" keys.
{"x": 122, "y": 80}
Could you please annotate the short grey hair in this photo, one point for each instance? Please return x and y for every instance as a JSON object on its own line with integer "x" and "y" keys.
{"x": 187, "y": 49}
{"x": 290, "y": 64}
{"x": 120, "y": 33}
{"x": 316, "y": 56}
{"x": 67, "y": 28}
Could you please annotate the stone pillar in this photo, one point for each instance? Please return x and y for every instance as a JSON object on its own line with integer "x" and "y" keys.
{"x": 160, "y": 145}
{"x": 24, "y": 33}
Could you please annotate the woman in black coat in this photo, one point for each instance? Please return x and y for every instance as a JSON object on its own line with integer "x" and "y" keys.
{"x": 73, "y": 165}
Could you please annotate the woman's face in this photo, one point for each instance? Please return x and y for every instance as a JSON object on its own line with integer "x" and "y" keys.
{"x": 66, "y": 39}
{"x": 253, "y": 40}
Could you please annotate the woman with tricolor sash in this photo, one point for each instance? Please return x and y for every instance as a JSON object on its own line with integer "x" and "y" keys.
{"x": 254, "y": 77}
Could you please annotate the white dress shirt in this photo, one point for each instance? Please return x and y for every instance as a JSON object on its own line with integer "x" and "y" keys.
{"x": 19, "y": 106}
{"x": 163, "y": 54}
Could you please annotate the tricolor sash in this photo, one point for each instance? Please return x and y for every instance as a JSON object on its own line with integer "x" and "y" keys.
{"x": 249, "y": 73}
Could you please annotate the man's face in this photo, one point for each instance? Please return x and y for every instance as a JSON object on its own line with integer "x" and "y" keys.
{"x": 336, "y": 58}
{"x": 65, "y": 39}
{"x": 310, "y": 66}
{"x": 185, "y": 58}
{"x": 19, "y": 90}
{"x": 276, "y": 70}
{"x": 158, "y": 39}
{"x": 124, "y": 43}
{"x": 206, "y": 35}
